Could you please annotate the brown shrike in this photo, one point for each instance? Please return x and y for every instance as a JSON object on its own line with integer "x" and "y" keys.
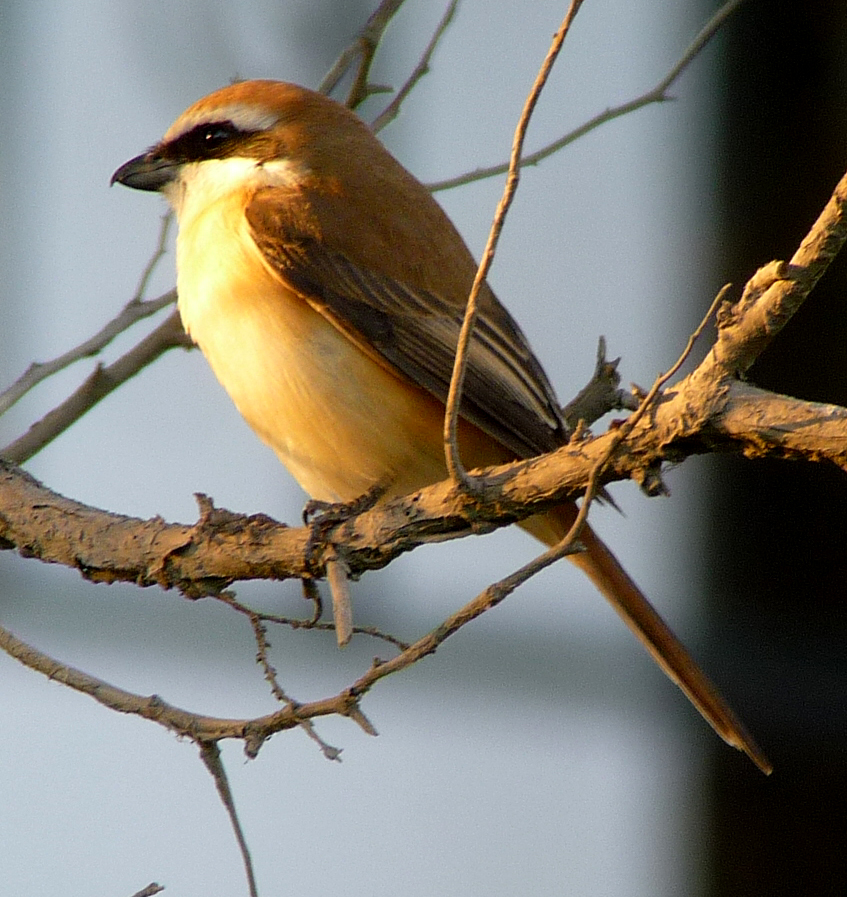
{"x": 326, "y": 288}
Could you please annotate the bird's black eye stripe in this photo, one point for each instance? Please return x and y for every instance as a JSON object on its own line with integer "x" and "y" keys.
{"x": 210, "y": 140}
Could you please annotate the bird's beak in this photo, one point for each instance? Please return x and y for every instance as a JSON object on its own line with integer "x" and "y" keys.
{"x": 146, "y": 172}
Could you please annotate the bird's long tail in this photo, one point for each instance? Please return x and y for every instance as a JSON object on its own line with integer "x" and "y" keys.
{"x": 606, "y": 572}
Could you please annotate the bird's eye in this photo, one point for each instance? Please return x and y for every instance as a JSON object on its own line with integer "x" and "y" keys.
{"x": 215, "y": 135}
{"x": 210, "y": 140}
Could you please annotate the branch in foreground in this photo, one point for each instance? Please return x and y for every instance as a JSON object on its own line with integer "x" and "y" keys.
{"x": 223, "y": 547}
{"x": 107, "y": 535}
{"x": 700, "y": 414}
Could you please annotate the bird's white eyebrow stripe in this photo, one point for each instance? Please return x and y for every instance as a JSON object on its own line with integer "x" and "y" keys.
{"x": 243, "y": 116}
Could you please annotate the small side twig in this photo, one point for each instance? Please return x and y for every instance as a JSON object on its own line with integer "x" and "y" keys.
{"x": 338, "y": 577}
{"x": 260, "y": 633}
{"x": 211, "y": 755}
{"x": 630, "y": 423}
{"x": 158, "y": 254}
{"x": 150, "y": 890}
{"x": 392, "y": 109}
{"x": 364, "y": 46}
{"x": 600, "y": 395}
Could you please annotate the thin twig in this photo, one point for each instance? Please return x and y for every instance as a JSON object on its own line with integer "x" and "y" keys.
{"x": 130, "y": 314}
{"x": 657, "y": 94}
{"x": 158, "y": 255}
{"x": 211, "y": 756}
{"x": 364, "y": 46}
{"x": 135, "y": 310}
{"x": 150, "y": 890}
{"x": 629, "y": 424}
{"x": 422, "y": 68}
{"x": 103, "y": 380}
{"x": 454, "y": 397}
{"x": 490, "y": 597}
{"x": 299, "y": 623}
{"x": 260, "y": 633}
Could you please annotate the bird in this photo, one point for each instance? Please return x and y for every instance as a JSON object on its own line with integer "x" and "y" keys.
{"x": 326, "y": 288}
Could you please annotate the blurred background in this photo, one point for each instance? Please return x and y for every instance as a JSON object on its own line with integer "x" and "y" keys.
{"x": 539, "y": 751}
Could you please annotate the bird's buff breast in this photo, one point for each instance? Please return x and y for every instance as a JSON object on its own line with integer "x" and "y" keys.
{"x": 337, "y": 420}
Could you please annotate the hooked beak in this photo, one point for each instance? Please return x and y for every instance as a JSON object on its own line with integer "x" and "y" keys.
{"x": 148, "y": 171}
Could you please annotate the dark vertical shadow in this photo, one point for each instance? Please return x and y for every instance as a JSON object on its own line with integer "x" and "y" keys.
{"x": 778, "y": 532}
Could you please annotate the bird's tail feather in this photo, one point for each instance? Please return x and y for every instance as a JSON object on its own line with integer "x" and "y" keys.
{"x": 606, "y": 572}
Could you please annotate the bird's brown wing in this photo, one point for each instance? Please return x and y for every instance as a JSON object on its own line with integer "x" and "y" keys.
{"x": 414, "y": 332}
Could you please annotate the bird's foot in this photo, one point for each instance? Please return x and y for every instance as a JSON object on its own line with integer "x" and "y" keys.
{"x": 326, "y": 514}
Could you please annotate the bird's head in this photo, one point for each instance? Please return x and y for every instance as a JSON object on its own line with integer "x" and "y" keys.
{"x": 251, "y": 134}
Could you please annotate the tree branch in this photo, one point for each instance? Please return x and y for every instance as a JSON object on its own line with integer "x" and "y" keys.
{"x": 363, "y": 46}
{"x": 224, "y": 547}
{"x": 776, "y": 292}
{"x": 102, "y": 381}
